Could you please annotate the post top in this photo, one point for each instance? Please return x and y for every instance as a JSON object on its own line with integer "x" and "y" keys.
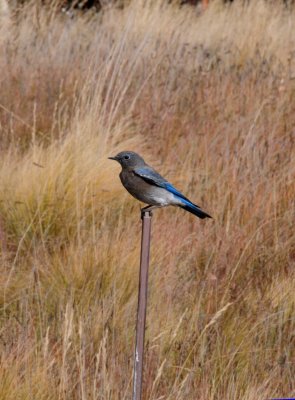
{"x": 146, "y": 214}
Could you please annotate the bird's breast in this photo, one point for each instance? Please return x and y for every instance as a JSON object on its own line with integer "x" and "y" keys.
{"x": 144, "y": 191}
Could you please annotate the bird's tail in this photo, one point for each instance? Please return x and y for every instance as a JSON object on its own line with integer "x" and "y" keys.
{"x": 194, "y": 209}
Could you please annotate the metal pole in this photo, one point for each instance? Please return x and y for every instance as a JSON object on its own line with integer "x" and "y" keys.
{"x": 205, "y": 4}
{"x": 146, "y": 217}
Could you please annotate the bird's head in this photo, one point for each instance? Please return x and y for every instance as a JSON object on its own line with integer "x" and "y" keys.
{"x": 128, "y": 159}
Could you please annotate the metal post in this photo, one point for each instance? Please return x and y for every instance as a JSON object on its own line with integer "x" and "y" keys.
{"x": 146, "y": 217}
{"x": 205, "y": 4}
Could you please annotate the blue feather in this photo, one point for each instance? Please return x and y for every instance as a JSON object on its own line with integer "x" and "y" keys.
{"x": 168, "y": 186}
{"x": 151, "y": 176}
{"x": 154, "y": 178}
{"x": 194, "y": 209}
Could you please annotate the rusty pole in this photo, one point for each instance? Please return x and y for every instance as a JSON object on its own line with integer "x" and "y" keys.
{"x": 146, "y": 217}
{"x": 205, "y": 4}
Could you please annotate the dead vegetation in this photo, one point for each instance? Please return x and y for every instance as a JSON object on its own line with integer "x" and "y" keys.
{"x": 209, "y": 100}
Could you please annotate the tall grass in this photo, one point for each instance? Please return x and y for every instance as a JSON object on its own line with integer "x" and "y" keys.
{"x": 208, "y": 99}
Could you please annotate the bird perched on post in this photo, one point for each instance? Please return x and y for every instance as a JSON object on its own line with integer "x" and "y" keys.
{"x": 148, "y": 186}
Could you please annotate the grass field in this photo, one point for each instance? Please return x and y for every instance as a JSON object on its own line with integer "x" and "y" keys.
{"x": 209, "y": 100}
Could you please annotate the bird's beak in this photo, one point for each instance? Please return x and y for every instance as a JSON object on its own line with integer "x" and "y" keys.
{"x": 112, "y": 158}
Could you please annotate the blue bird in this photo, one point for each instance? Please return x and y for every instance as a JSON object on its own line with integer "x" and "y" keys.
{"x": 148, "y": 186}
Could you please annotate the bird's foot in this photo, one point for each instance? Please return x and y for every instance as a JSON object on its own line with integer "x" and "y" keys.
{"x": 148, "y": 209}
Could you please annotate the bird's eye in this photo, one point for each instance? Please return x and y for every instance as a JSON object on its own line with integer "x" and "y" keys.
{"x": 126, "y": 157}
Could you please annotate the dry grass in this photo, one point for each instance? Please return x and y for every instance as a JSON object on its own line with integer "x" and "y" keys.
{"x": 210, "y": 101}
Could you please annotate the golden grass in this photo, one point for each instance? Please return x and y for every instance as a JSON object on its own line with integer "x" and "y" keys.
{"x": 209, "y": 100}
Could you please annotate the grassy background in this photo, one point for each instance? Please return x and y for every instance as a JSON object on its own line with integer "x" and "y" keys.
{"x": 209, "y": 100}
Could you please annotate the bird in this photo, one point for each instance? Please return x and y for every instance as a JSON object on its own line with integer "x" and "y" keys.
{"x": 148, "y": 186}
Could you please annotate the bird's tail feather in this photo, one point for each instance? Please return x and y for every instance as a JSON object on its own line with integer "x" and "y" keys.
{"x": 192, "y": 208}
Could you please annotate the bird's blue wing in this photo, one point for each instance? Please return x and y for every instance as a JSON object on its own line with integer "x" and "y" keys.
{"x": 154, "y": 178}
{"x": 151, "y": 176}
